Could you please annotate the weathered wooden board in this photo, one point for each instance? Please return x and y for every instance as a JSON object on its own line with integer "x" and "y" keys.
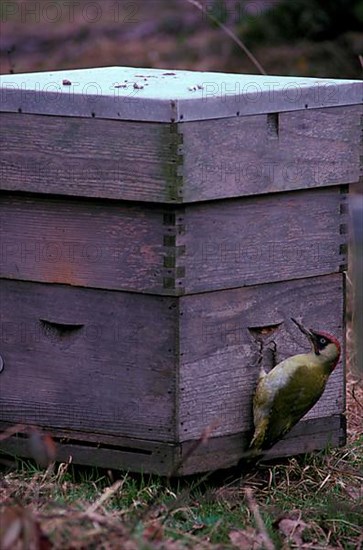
{"x": 132, "y": 375}
{"x": 263, "y": 239}
{"x": 82, "y": 242}
{"x": 100, "y": 450}
{"x": 227, "y": 451}
{"x": 180, "y": 163}
{"x": 175, "y": 250}
{"x": 91, "y": 361}
{"x": 89, "y": 157}
{"x": 219, "y": 370}
{"x": 267, "y": 153}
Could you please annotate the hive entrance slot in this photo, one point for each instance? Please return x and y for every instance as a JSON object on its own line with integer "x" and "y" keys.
{"x": 60, "y": 330}
{"x": 108, "y": 446}
{"x": 273, "y": 125}
{"x": 91, "y": 444}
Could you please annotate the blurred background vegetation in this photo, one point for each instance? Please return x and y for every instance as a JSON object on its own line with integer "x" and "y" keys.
{"x": 288, "y": 37}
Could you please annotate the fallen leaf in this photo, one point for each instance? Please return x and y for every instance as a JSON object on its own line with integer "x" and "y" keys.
{"x": 20, "y": 530}
{"x": 154, "y": 531}
{"x": 246, "y": 539}
{"x": 292, "y": 529}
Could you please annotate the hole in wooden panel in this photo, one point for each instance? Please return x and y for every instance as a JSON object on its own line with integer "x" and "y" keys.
{"x": 97, "y": 445}
{"x": 59, "y": 330}
{"x": 266, "y": 350}
{"x": 265, "y": 331}
{"x": 273, "y": 125}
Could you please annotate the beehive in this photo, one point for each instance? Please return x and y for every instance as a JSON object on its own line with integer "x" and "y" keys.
{"x": 155, "y": 225}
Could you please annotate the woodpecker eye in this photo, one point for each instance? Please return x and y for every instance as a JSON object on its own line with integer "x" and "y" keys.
{"x": 322, "y": 341}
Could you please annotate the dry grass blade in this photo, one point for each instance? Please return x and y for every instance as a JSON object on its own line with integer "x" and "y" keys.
{"x": 106, "y": 495}
{"x": 231, "y": 34}
{"x": 252, "y": 504}
{"x": 205, "y": 435}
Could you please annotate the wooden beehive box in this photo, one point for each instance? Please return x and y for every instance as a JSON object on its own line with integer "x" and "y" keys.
{"x": 154, "y": 224}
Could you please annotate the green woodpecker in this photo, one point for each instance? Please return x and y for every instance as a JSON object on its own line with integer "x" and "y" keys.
{"x": 291, "y": 389}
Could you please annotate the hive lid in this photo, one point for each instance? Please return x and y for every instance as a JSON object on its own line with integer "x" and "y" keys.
{"x": 163, "y": 95}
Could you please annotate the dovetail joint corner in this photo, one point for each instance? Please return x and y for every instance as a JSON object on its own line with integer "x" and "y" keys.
{"x": 174, "y": 167}
{"x": 174, "y": 251}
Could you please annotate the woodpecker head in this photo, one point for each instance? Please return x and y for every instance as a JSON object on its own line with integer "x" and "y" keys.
{"x": 323, "y": 344}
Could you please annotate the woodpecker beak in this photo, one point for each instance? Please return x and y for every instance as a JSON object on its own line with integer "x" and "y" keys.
{"x": 309, "y": 334}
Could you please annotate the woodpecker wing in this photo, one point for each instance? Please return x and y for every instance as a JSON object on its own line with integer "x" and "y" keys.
{"x": 283, "y": 397}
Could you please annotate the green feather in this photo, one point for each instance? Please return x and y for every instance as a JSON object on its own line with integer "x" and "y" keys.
{"x": 284, "y": 396}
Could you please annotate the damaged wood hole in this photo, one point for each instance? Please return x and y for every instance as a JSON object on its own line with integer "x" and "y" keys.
{"x": 263, "y": 332}
{"x": 267, "y": 349}
{"x": 273, "y": 125}
{"x": 59, "y": 330}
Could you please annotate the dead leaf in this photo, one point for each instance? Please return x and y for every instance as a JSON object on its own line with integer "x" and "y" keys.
{"x": 154, "y": 531}
{"x": 246, "y": 539}
{"x": 20, "y": 530}
{"x": 292, "y": 529}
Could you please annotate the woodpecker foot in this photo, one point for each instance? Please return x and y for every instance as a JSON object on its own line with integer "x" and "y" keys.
{"x": 271, "y": 352}
{"x": 259, "y": 354}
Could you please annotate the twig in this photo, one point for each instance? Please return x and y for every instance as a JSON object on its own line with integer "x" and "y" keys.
{"x": 230, "y": 34}
{"x": 106, "y": 495}
{"x": 252, "y": 504}
{"x": 360, "y": 57}
{"x": 10, "y": 59}
{"x": 354, "y": 396}
{"x": 205, "y": 435}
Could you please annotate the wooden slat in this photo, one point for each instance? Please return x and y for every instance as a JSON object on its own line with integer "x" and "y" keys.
{"x": 160, "y": 461}
{"x": 227, "y": 451}
{"x": 251, "y": 155}
{"x": 174, "y": 163}
{"x": 263, "y": 239}
{"x": 83, "y": 243}
{"x": 89, "y": 361}
{"x": 172, "y": 250}
{"x": 219, "y": 370}
{"x": 89, "y": 157}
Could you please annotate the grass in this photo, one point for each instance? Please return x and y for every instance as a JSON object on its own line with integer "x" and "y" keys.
{"x": 313, "y": 501}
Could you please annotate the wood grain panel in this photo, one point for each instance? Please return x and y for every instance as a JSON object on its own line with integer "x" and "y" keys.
{"x": 219, "y": 369}
{"x": 92, "y": 361}
{"x": 180, "y": 163}
{"x": 173, "y": 250}
{"x": 89, "y": 157}
{"x": 101, "y": 450}
{"x": 84, "y": 243}
{"x": 263, "y": 239}
{"x": 257, "y": 154}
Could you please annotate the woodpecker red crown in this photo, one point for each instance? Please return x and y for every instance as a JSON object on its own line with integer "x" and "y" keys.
{"x": 319, "y": 339}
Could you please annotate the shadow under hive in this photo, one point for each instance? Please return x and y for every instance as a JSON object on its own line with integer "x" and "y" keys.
{"x": 154, "y": 224}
